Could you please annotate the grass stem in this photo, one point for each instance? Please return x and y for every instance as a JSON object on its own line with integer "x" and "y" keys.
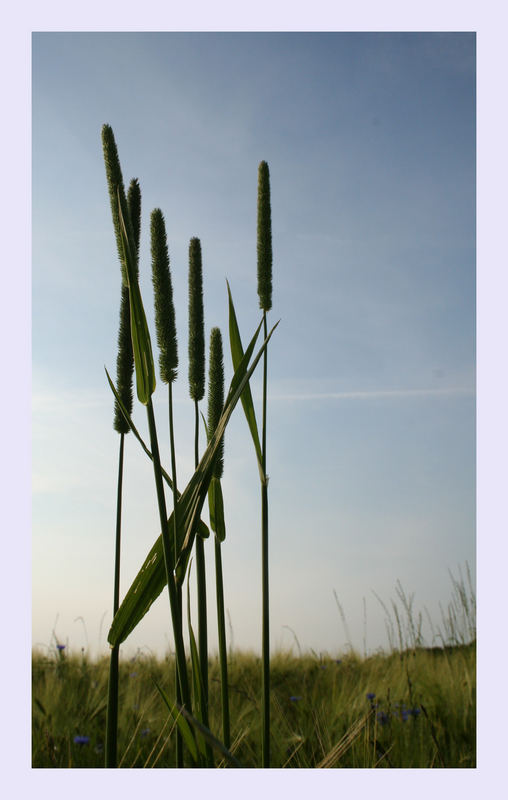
{"x": 112, "y": 710}
{"x": 215, "y": 404}
{"x": 201, "y": 585}
{"x": 223, "y": 656}
{"x": 202, "y": 609}
{"x": 265, "y": 583}
{"x": 175, "y": 606}
{"x": 179, "y": 699}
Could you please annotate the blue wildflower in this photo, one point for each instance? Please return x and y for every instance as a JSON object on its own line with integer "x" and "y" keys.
{"x": 338, "y": 661}
{"x": 60, "y": 647}
{"x": 294, "y": 698}
{"x": 81, "y": 740}
{"x": 145, "y": 731}
{"x": 370, "y": 695}
{"x": 415, "y": 711}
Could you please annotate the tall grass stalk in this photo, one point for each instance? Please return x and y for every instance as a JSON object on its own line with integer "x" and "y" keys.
{"x": 264, "y": 267}
{"x": 175, "y": 606}
{"x": 197, "y": 391}
{"x": 125, "y": 369}
{"x": 168, "y": 363}
{"x": 113, "y": 683}
{"x": 215, "y": 404}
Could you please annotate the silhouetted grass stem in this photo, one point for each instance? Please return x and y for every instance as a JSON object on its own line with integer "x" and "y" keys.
{"x": 264, "y": 269}
{"x": 112, "y": 709}
{"x": 173, "y": 598}
{"x": 215, "y": 405}
{"x": 265, "y": 582}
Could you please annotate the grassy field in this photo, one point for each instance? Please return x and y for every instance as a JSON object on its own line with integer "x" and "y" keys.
{"x": 415, "y": 708}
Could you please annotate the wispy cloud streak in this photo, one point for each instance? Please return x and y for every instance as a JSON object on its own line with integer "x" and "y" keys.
{"x": 378, "y": 394}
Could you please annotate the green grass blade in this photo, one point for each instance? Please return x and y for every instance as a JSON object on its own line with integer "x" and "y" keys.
{"x": 196, "y": 669}
{"x": 151, "y": 579}
{"x": 196, "y": 676}
{"x": 112, "y": 710}
{"x": 183, "y": 725}
{"x": 145, "y": 589}
{"x": 185, "y": 720}
{"x": 198, "y": 694}
{"x": 242, "y": 365}
{"x": 223, "y": 656}
{"x": 211, "y": 739}
{"x": 237, "y": 355}
{"x": 216, "y": 507}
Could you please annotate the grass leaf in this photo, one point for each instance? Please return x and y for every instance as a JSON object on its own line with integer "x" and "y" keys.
{"x": 216, "y": 507}
{"x": 211, "y": 739}
{"x": 183, "y": 725}
{"x": 237, "y": 355}
{"x": 196, "y": 673}
{"x": 185, "y": 720}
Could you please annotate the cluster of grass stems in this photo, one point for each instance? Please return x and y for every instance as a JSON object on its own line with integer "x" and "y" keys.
{"x": 182, "y": 531}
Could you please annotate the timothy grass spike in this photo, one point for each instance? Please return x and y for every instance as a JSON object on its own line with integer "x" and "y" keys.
{"x": 141, "y": 344}
{"x": 125, "y": 357}
{"x": 163, "y": 299}
{"x": 196, "y": 323}
{"x": 264, "y": 238}
{"x": 116, "y": 190}
{"x": 216, "y": 393}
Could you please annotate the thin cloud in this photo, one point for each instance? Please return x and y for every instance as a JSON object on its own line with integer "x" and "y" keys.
{"x": 378, "y": 394}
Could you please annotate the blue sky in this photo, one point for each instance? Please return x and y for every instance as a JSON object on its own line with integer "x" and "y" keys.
{"x": 370, "y": 139}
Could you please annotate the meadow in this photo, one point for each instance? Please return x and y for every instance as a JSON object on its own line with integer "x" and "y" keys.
{"x": 415, "y": 708}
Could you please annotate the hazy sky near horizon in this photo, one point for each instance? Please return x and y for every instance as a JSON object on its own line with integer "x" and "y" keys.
{"x": 370, "y": 139}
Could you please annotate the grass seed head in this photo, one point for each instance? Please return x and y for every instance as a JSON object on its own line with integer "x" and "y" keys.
{"x": 163, "y": 299}
{"x": 216, "y": 393}
{"x": 264, "y": 238}
{"x": 196, "y": 323}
